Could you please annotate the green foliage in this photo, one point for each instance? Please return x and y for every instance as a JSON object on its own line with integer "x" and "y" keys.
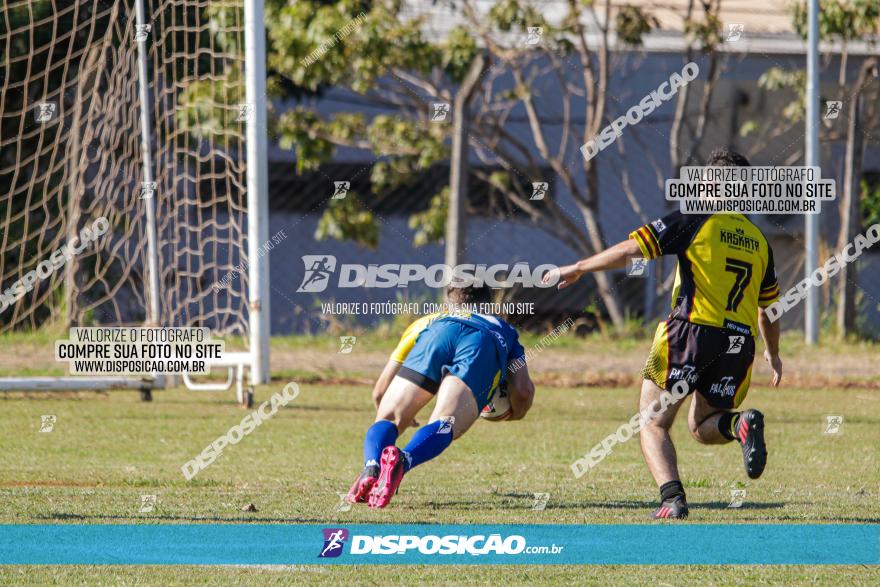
{"x": 347, "y": 219}
{"x": 208, "y": 108}
{"x": 312, "y": 136}
{"x": 421, "y": 141}
{"x": 509, "y": 14}
{"x": 632, "y": 23}
{"x": 870, "y": 204}
{"x": 421, "y": 148}
{"x": 706, "y": 33}
{"x": 846, "y": 19}
{"x": 343, "y": 43}
{"x": 226, "y": 15}
{"x": 353, "y": 45}
{"x": 776, "y": 79}
{"x": 458, "y": 51}
{"x": 430, "y": 225}
{"x": 748, "y": 128}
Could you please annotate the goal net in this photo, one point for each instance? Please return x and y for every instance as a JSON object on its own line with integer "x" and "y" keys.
{"x": 72, "y": 164}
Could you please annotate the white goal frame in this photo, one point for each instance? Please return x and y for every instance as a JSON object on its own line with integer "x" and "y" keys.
{"x": 256, "y": 359}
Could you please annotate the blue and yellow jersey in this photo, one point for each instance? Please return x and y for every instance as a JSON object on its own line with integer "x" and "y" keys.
{"x": 725, "y": 267}
{"x": 411, "y": 334}
{"x": 505, "y": 335}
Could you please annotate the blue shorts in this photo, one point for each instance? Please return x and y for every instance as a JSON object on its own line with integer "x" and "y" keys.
{"x": 448, "y": 347}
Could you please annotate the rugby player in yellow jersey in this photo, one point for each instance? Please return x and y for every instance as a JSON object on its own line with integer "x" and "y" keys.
{"x": 725, "y": 279}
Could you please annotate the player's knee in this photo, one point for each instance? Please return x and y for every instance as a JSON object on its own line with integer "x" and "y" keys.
{"x": 656, "y": 424}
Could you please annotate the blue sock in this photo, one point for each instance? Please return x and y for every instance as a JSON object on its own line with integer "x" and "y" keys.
{"x": 381, "y": 434}
{"x": 428, "y": 442}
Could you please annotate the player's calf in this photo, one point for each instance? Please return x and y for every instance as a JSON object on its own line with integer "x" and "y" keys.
{"x": 381, "y": 434}
{"x": 427, "y": 443}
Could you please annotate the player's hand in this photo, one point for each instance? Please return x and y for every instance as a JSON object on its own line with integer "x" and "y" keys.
{"x": 775, "y": 365}
{"x": 563, "y": 276}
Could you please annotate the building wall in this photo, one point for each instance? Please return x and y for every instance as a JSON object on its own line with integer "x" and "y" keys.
{"x": 640, "y": 152}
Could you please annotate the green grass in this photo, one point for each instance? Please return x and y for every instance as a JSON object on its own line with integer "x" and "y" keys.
{"x": 109, "y": 449}
{"x": 624, "y": 576}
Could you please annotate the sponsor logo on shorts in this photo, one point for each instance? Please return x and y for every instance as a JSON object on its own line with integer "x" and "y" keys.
{"x": 735, "y": 344}
{"x": 724, "y": 388}
{"x": 687, "y": 373}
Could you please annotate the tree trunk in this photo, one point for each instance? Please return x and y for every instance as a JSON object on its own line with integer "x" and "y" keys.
{"x": 849, "y": 205}
{"x": 610, "y": 299}
{"x": 458, "y": 168}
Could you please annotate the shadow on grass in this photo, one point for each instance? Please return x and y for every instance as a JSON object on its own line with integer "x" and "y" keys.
{"x": 711, "y": 505}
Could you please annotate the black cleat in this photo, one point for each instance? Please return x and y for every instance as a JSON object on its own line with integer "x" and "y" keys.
{"x": 675, "y": 507}
{"x": 750, "y": 433}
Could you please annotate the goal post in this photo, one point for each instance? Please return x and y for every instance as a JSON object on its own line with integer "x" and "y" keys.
{"x": 149, "y": 116}
{"x": 257, "y": 186}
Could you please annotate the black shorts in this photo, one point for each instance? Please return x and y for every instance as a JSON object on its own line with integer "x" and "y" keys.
{"x": 714, "y": 361}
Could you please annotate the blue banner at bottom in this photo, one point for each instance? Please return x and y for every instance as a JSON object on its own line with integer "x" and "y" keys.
{"x": 284, "y": 544}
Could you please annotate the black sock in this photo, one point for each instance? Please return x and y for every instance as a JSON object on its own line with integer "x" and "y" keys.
{"x": 727, "y": 423}
{"x": 671, "y": 489}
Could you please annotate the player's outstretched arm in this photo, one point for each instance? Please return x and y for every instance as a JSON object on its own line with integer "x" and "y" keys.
{"x": 521, "y": 391}
{"x": 770, "y": 334}
{"x": 611, "y": 258}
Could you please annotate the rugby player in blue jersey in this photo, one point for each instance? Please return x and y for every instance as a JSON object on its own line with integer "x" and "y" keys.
{"x": 462, "y": 359}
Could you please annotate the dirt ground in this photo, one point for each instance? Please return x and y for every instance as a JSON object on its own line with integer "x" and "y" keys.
{"x": 593, "y": 365}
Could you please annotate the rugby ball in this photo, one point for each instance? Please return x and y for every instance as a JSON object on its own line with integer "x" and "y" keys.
{"x": 499, "y": 408}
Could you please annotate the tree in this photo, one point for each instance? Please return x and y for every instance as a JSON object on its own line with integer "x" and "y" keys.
{"x": 390, "y": 63}
{"x": 843, "y": 21}
{"x": 847, "y": 20}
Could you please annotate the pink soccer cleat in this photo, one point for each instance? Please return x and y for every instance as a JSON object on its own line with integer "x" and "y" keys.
{"x": 360, "y": 491}
{"x": 390, "y": 476}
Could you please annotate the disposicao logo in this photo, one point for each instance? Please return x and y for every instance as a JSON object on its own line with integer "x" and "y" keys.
{"x": 334, "y": 540}
{"x": 320, "y": 268}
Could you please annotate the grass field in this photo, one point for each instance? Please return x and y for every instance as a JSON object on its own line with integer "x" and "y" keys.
{"x": 108, "y": 450}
